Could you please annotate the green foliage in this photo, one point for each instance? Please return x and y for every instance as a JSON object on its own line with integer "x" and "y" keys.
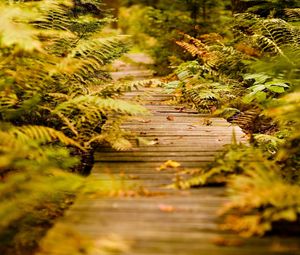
{"x": 264, "y": 87}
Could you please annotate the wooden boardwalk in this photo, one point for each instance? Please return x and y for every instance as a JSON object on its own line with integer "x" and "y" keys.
{"x": 166, "y": 221}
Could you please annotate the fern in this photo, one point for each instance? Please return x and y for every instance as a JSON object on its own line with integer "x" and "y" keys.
{"x": 98, "y": 105}
{"x": 269, "y": 35}
{"x": 114, "y": 135}
{"x": 42, "y": 134}
{"x": 60, "y": 83}
{"x": 227, "y": 165}
{"x": 262, "y": 199}
{"x": 293, "y": 14}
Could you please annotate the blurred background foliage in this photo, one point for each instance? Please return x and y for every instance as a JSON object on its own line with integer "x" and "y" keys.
{"x": 155, "y": 25}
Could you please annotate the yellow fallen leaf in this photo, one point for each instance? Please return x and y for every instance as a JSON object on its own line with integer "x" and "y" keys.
{"x": 166, "y": 208}
{"x": 169, "y": 164}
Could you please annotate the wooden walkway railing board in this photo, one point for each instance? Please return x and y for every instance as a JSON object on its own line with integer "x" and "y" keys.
{"x": 172, "y": 222}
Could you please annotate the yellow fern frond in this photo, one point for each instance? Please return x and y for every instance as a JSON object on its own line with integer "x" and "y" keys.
{"x": 42, "y": 135}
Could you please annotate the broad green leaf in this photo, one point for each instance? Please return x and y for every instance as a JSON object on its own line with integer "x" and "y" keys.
{"x": 257, "y": 88}
{"x": 276, "y": 89}
{"x": 261, "y": 96}
{"x": 260, "y": 78}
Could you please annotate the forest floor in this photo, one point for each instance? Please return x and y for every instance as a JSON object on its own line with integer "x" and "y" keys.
{"x": 142, "y": 217}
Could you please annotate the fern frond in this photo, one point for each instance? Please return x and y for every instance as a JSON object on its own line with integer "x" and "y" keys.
{"x": 8, "y": 99}
{"x": 293, "y": 14}
{"x": 100, "y": 49}
{"x": 55, "y": 14}
{"x": 262, "y": 198}
{"x": 204, "y": 100}
{"x": 95, "y": 53}
{"x": 42, "y": 135}
{"x": 269, "y": 35}
{"x": 190, "y": 48}
{"x": 105, "y": 106}
{"x": 113, "y": 134}
{"x": 246, "y": 119}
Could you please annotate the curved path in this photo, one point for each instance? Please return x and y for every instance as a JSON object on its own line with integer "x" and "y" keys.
{"x": 155, "y": 220}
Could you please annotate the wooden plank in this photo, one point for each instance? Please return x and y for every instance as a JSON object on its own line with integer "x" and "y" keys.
{"x": 159, "y": 159}
{"x": 102, "y": 166}
{"x": 164, "y": 148}
{"x": 187, "y": 129}
{"x": 141, "y": 153}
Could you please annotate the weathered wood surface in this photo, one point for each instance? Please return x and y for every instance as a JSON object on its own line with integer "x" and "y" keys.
{"x": 168, "y": 222}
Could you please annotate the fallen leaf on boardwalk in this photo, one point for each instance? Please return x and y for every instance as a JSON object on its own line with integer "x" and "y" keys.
{"x": 146, "y": 142}
{"x": 246, "y": 136}
{"x": 140, "y": 120}
{"x": 207, "y": 122}
{"x": 133, "y": 177}
{"x": 166, "y": 208}
{"x": 169, "y": 164}
{"x": 170, "y": 118}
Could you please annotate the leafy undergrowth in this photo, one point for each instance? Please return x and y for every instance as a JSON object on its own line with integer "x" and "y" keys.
{"x": 262, "y": 199}
{"x": 252, "y": 81}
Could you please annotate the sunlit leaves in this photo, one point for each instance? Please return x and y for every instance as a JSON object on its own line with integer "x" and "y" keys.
{"x": 264, "y": 87}
{"x": 15, "y": 28}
